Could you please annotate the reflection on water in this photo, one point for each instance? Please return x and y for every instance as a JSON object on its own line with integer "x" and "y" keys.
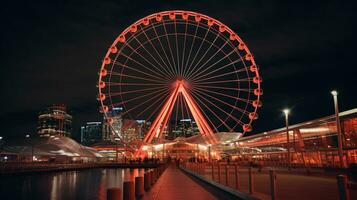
{"x": 84, "y": 184}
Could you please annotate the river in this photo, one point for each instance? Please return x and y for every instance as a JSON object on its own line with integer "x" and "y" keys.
{"x": 83, "y": 184}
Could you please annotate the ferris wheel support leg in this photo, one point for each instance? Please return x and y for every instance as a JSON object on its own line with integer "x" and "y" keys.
{"x": 202, "y": 124}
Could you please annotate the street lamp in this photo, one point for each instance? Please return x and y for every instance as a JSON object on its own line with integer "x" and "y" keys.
{"x": 116, "y": 149}
{"x": 338, "y": 126}
{"x": 286, "y": 112}
{"x": 209, "y": 153}
{"x": 32, "y": 151}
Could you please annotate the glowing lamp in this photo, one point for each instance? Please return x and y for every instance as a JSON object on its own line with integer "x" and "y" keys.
{"x": 286, "y": 111}
{"x": 334, "y": 93}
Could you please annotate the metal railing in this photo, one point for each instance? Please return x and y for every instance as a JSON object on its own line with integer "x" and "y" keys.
{"x": 265, "y": 180}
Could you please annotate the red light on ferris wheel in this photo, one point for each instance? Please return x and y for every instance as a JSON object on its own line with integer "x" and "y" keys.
{"x": 145, "y": 64}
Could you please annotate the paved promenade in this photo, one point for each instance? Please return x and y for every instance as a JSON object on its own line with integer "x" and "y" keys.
{"x": 175, "y": 185}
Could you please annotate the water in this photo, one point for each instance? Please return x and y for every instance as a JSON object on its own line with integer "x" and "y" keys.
{"x": 84, "y": 184}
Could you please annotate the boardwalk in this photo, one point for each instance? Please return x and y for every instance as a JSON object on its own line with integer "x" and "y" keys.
{"x": 176, "y": 185}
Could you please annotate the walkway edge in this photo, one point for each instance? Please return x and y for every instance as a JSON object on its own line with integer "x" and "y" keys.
{"x": 229, "y": 190}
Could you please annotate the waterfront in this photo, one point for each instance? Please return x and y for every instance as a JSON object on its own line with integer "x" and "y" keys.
{"x": 84, "y": 184}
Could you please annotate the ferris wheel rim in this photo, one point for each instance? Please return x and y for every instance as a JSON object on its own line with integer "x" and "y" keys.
{"x": 181, "y": 12}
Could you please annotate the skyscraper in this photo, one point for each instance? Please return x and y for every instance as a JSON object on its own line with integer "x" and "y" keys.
{"x": 110, "y": 132}
{"x": 91, "y": 133}
{"x": 184, "y": 128}
{"x": 54, "y": 121}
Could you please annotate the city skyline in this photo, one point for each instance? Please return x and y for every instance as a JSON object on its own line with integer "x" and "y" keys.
{"x": 312, "y": 44}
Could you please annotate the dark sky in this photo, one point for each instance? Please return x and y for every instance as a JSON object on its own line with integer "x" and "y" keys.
{"x": 51, "y": 53}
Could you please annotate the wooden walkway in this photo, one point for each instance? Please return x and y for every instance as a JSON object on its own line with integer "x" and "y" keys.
{"x": 175, "y": 185}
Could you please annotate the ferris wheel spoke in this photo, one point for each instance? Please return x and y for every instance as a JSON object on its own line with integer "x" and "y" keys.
{"x": 133, "y": 91}
{"x": 177, "y": 50}
{"x": 199, "y": 49}
{"x": 225, "y": 95}
{"x": 229, "y": 115}
{"x": 154, "y": 59}
{"x": 225, "y": 103}
{"x": 134, "y": 77}
{"x": 210, "y": 58}
{"x": 143, "y": 57}
{"x": 133, "y": 84}
{"x": 203, "y": 56}
{"x": 161, "y": 100}
{"x": 188, "y": 114}
{"x": 199, "y": 80}
{"x": 184, "y": 49}
{"x": 182, "y": 107}
{"x": 177, "y": 104}
{"x": 158, "y": 54}
{"x": 163, "y": 49}
{"x": 225, "y": 81}
{"x": 199, "y": 76}
{"x": 139, "y": 97}
{"x": 204, "y": 87}
{"x": 137, "y": 70}
{"x": 159, "y": 93}
{"x": 170, "y": 49}
{"x": 142, "y": 65}
{"x": 203, "y": 66}
{"x": 214, "y": 113}
{"x": 189, "y": 54}
{"x": 206, "y": 116}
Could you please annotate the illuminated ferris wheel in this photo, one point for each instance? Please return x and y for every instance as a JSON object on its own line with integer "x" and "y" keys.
{"x": 176, "y": 65}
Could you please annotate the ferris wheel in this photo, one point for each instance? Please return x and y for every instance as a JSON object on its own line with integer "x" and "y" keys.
{"x": 177, "y": 65}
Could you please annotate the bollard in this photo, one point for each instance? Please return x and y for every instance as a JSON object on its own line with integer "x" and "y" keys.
{"x": 152, "y": 177}
{"x": 343, "y": 192}
{"x": 236, "y": 171}
{"x": 212, "y": 171}
{"x": 219, "y": 173}
{"x": 147, "y": 181}
{"x": 272, "y": 184}
{"x": 139, "y": 186}
{"x": 113, "y": 194}
{"x": 251, "y": 181}
{"x": 226, "y": 168}
{"x": 128, "y": 190}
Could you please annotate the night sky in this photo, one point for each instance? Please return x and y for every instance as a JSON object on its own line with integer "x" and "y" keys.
{"x": 51, "y": 53}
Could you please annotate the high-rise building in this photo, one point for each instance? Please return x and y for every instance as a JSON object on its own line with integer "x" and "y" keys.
{"x": 184, "y": 128}
{"x": 110, "y": 132}
{"x": 143, "y": 126}
{"x": 91, "y": 133}
{"x": 54, "y": 121}
{"x": 130, "y": 130}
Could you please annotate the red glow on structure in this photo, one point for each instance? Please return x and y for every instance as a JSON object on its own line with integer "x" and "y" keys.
{"x": 161, "y": 120}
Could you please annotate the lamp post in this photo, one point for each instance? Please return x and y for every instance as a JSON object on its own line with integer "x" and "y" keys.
{"x": 163, "y": 151}
{"x": 0, "y": 144}
{"x": 209, "y": 153}
{"x": 338, "y": 126}
{"x": 116, "y": 149}
{"x": 32, "y": 153}
{"x": 286, "y": 112}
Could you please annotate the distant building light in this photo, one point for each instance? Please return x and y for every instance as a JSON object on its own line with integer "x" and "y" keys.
{"x": 140, "y": 121}
{"x": 314, "y": 130}
{"x": 185, "y": 120}
{"x": 118, "y": 108}
{"x": 96, "y": 123}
